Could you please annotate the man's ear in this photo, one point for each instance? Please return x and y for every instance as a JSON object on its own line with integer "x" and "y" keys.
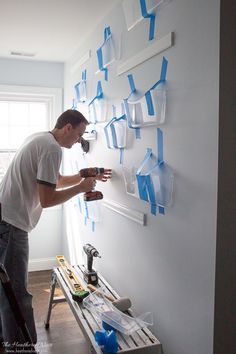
{"x": 68, "y": 127}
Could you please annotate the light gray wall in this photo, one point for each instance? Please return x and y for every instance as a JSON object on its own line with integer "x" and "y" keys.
{"x": 45, "y": 241}
{"x": 31, "y": 73}
{"x": 168, "y": 266}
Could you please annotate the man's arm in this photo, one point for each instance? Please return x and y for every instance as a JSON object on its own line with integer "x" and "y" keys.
{"x": 50, "y": 196}
{"x": 68, "y": 181}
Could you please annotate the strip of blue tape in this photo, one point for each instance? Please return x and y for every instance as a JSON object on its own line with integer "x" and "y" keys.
{"x": 126, "y": 106}
{"x": 107, "y": 34}
{"x": 151, "y": 16}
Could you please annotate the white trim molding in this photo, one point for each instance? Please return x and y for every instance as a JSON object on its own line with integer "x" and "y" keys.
{"x": 42, "y": 264}
{"x": 131, "y": 214}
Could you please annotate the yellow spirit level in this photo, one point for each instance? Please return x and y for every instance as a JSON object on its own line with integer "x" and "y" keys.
{"x": 77, "y": 290}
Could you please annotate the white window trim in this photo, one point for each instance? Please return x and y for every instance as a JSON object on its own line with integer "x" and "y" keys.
{"x": 52, "y": 95}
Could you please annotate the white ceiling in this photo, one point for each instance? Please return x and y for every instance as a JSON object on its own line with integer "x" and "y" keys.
{"x": 51, "y": 29}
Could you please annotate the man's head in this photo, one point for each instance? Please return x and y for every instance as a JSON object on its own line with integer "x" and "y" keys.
{"x": 69, "y": 128}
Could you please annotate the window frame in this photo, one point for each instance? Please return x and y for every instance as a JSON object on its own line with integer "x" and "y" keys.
{"x": 53, "y": 96}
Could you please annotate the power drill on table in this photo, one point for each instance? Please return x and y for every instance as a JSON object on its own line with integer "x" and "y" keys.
{"x": 90, "y": 276}
{"x": 92, "y": 172}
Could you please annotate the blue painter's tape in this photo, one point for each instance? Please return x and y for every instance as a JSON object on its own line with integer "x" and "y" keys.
{"x": 79, "y": 203}
{"x": 146, "y": 158}
{"x": 99, "y": 90}
{"x": 126, "y": 107}
{"x": 149, "y": 103}
{"x": 151, "y": 16}
{"x": 131, "y": 83}
{"x": 93, "y": 226}
{"x": 121, "y": 156}
{"x": 114, "y": 110}
{"x": 161, "y": 210}
{"x": 164, "y": 67}
{"x": 86, "y": 209}
{"x": 160, "y": 157}
{"x": 142, "y": 187}
{"x": 99, "y": 95}
{"x": 113, "y": 134}
{"x": 138, "y": 133}
{"x": 84, "y": 74}
{"x": 74, "y": 106}
{"x": 107, "y": 34}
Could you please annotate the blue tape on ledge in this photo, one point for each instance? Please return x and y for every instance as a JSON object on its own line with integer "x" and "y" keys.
{"x": 151, "y": 16}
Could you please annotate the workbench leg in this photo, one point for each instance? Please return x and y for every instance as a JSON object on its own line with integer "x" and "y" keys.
{"x": 52, "y": 290}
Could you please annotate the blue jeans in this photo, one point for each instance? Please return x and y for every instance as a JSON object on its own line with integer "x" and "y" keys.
{"x": 14, "y": 254}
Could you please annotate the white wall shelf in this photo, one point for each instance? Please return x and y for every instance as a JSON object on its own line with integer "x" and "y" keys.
{"x": 149, "y": 52}
{"x": 131, "y": 214}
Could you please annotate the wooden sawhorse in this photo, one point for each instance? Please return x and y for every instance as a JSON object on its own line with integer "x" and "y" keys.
{"x": 140, "y": 342}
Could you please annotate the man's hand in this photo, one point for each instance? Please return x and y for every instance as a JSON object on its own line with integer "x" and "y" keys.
{"x": 87, "y": 184}
{"x": 49, "y": 196}
{"x": 104, "y": 176}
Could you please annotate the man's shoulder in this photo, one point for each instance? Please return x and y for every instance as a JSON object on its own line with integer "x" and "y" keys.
{"x": 44, "y": 140}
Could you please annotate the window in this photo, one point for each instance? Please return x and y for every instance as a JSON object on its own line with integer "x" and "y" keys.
{"x": 24, "y": 111}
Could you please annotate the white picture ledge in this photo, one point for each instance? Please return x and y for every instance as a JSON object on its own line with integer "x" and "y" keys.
{"x": 131, "y": 214}
{"x": 157, "y": 47}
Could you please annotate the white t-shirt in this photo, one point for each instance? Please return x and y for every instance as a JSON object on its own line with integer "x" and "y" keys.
{"x": 37, "y": 161}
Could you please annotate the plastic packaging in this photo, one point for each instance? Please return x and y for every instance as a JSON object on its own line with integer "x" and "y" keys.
{"x": 115, "y": 132}
{"x": 132, "y": 10}
{"x": 98, "y": 111}
{"x": 158, "y": 99}
{"x": 129, "y": 174}
{"x": 91, "y": 210}
{"x": 163, "y": 181}
{"x": 81, "y": 91}
{"x": 102, "y": 308}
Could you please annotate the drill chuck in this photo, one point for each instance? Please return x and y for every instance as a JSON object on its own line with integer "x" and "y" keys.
{"x": 91, "y": 251}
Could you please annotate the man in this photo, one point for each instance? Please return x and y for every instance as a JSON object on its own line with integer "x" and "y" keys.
{"x": 32, "y": 183}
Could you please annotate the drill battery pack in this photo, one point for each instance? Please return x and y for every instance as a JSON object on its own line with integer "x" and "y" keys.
{"x": 93, "y": 195}
{"x": 91, "y": 277}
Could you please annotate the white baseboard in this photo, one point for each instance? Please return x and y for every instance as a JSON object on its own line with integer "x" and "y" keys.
{"x": 42, "y": 264}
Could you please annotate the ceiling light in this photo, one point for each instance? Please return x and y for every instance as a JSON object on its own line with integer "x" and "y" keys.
{"x": 22, "y": 54}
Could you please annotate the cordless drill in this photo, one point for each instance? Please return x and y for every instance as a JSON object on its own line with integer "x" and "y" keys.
{"x": 90, "y": 276}
{"x": 92, "y": 172}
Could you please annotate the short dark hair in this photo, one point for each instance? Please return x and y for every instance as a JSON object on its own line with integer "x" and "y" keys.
{"x": 70, "y": 116}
